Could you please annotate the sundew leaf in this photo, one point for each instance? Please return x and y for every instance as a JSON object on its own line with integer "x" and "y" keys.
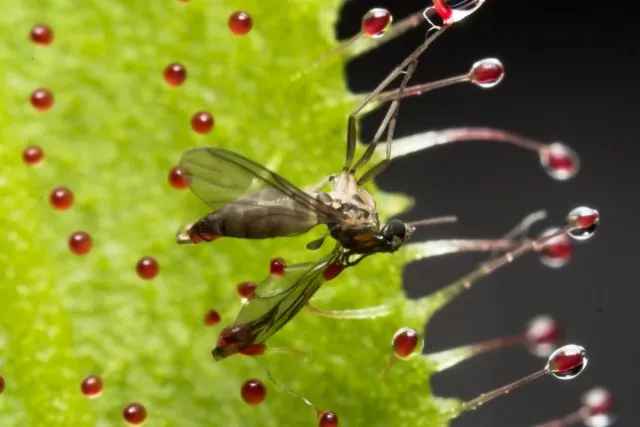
{"x": 115, "y": 130}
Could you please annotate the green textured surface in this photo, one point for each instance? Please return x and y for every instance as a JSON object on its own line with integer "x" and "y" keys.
{"x": 114, "y": 132}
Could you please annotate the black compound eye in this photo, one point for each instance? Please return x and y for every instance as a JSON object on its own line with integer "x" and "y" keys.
{"x": 395, "y": 228}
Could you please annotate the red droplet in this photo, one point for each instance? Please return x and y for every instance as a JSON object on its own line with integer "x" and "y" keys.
{"x": 80, "y": 243}
{"x": 177, "y": 178}
{"x": 202, "y": 122}
{"x": 41, "y": 99}
{"x": 212, "y": 318}
{"x": 587, "y": 219}
{"x": 91, "y": 386}
{"x": 41, "y": 34}
{"x": 568, "y": 361}
{"x": 376, "y": 22}
{"x": 487, "y": 73}
{"x": 277, "y": 267}
{"x": 175, "y": 74}
{"x": 327, "y": 419}
{"x": 254, "y": 350}
{"x": 135, "y": 413}
{"x": 246, "y": 289}
{"x": 1, "y": 384}
{"x": 240, "y": 23}
{"x": 443, "y": 9}
{"x": 333, "y": 270}
{"x": 598, "y": 401}
{"x": 543, "y": 330}
{"x": 61, "y": 198}
{"x": 559, "y": 247}
{"x": 32, "y": 155}
{"x": 253, "y": 392}
{"x": 147, "y": 268}
{"x": 405, "y": 341}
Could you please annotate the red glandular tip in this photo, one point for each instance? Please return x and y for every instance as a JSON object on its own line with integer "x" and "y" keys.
{"x": 333, "y": 270}
{"x": 598, "y": 400}
{"x": 487, "y": 73}
{"x": 277, "y": 267}
{"x": 41, "y": 34}
{"x": 376, "y": 22}
{"x": 212, "y": 318}
{"x": 61, "y": 198}
{"x": 147, "y": 268}
{"x": 559, "y": 161}
{"x": 556, "y": 251}
{"x": 240, "y": 23}
{"x": 175, "y": 74}
{"x": 32, "y": 155}
{"x": 135, "y": 413}
{"x": 567, "y": 362}
{"x": 1, "y": 384}
{"x": 41, "y": 99}
{"x": 443, "y": 10}
{"x": 327, "y": 419}
{"x": 405, "y": 342}
{"x": 80, "y": 243}
{"x": 91, "y": 386}
{"x": 253, "y": 392}
{"x": 202, "y": 122}
{"x": 177, "y": 178}
{"x": 543, "y": 332}
{"x": 246, "y": 289}
{"x": 585, "y": 222}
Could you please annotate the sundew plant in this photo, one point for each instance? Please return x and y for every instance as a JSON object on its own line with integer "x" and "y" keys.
{"x": 105, "y": 320}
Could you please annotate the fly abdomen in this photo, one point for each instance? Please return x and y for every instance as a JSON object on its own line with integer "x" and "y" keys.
{"x": 255, "y": 221}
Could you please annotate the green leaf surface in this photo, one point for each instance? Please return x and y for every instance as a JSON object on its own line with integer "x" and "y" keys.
{"x": 114, "y": 132}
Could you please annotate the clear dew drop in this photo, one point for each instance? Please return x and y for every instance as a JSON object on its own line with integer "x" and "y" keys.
{"x": 599, "y": 403}
{"x": 487, "y": 73}
{"x": 567, "y": 362}
{"x": 559, "y": 161}
{"x": 542, "y": 334}
{"x": 556, "y": 251}
{"x": 585, "y": 221}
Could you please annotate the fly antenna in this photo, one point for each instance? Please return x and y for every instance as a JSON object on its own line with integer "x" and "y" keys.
{"x": 447, "y": 219}
{"x": 523, "y": 227}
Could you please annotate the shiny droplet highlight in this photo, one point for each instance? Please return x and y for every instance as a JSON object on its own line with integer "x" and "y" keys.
{"x": 175, "y": 74}
{"x": 585, "y": 222}
{"x": 567, "y": 362}
{"x": 253, "y": 392}
{"x": 135, "y": 413}
{"x": 405, "y": 342}
{"x": 61, "y": 198}
{"x": 327, "y": 419}
{"x": 277, "y": 267}
{"x": 177, "y": 178}
{"x": 487, "y": 73}
{"x": 41, "y": 34}
{"x": 80, "y": 243}
{"x": 147, "y": 268}
{"x": 41, "y": 99}
{"x": 32, "y": 155}
{"x": 91, "y": 386}
{"x": 240, "y": 23}
{"x": 202, "y": 122}
{"x": 542, "y": 334}
{"x": 376, "y": 22}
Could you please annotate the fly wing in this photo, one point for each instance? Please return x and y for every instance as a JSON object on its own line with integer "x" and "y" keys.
{"x": 220, "y": 177}
{"x": 273, "y": 306}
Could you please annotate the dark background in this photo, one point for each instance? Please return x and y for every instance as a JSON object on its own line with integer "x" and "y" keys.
{"x": 571, "y": 75}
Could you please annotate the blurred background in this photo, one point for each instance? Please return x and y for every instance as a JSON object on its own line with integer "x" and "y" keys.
{"x": 571, "y": 75}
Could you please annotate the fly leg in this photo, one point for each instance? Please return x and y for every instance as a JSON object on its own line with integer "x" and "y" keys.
{"x": 361, "y": 313}
{"x": 317, "y": 187}
{"x": 351, "y": 125}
